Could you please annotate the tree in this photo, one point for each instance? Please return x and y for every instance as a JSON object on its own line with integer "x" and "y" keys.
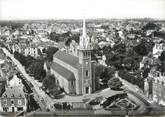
{"x": 49, "y": 53}
{"x": 134, "y": 78}
{"x": 115, "y": 59}
{"x": 49, "y": 84}
{"x": 74, "y": 37}
{"x": 20, "y": 57}
{"x": 29, "y": 60}
{"x": 49, "y": 81}
{"x": 162, "y": 57}
{"x": 115, "y": 84}
{"x": 54, "y": 36}
{"x": 36, "y": 69}
{"x": 106, "y": 74}
{"x": 141, "y": 49}
{"x": 150, "y": 26}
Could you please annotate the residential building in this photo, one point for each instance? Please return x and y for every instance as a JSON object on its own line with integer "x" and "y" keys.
{"x": 158, "y": 48}
{"x": 14, "y": 100}
{"x": 3, "y": 80}
{"x": 155, "y": 86}
{"x": 32, "y": 51}
{"x": 2, "y": 85}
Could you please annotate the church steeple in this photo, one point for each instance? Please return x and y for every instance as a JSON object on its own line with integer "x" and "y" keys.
{"x": 84, "y": 54}
{"x": 84, "y": 29}
{"x": 84, "y": 39}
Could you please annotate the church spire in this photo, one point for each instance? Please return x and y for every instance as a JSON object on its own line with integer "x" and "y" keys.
{"x": 84, "y": 39}
{"x": 84, "y": 29}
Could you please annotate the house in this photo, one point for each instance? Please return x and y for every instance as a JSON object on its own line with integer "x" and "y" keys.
{"x": 2, "y": 85}
{"x": 3, "y": 80}
{"x": 32, "y": 51}
{"x": 75, "y": 72}
{"x": 158, "y": 48}
{"x": 15, "y": 82}
{"x": 14, "y": 100}
{"x": 155, "y": 86}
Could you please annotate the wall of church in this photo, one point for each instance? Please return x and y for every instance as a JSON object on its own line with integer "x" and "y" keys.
{"x": 75, "y": 72}
{"x": 61, "y": 80}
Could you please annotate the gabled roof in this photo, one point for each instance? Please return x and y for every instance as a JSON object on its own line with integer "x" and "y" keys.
{"x": 67, "y": 58}
{"x": 15, "y": 92}
{"x": 62, "y": 71}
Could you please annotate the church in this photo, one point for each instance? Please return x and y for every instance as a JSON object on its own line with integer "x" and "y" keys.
{"x": 75, "y": 71}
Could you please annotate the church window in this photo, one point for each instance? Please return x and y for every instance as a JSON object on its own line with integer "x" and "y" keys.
{"x": 57, "y": 82}
{"x": 87, "y": 90}
{"x": 87, "y": 73}
{"x": 72, "y": 83}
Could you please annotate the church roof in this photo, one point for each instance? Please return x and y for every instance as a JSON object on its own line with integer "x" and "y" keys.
{"x": 67, "y": 58}
{"x": 67, "y": 74}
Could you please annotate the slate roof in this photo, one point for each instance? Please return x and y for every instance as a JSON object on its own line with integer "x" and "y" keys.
{"x": 67, "y": 58}
{"x": 15, "y": 92}
{"x": 62, "y": 71}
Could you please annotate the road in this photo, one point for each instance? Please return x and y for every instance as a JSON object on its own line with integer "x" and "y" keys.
{"x": 148, "y": 107}
{"x": 40, "y": 95}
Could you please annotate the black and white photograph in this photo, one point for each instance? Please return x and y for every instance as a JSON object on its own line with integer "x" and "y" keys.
{"x": 88, "y": 58}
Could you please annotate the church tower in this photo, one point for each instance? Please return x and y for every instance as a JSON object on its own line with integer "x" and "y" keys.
{"x": 84, "y": 54}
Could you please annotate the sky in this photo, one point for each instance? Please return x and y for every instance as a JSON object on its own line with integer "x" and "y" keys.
{"x": 78, "y": 9}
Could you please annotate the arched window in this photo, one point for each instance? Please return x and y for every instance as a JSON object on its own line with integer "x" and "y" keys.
{"x": 87, "y": 73}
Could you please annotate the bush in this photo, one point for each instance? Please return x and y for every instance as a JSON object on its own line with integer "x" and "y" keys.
{"x": 115, "y": 83}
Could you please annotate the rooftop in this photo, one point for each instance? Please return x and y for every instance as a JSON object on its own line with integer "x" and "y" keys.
{"x": 67, "y": 58}
{"x": 16, "y": 92}
{"x": 63, "y": 71}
